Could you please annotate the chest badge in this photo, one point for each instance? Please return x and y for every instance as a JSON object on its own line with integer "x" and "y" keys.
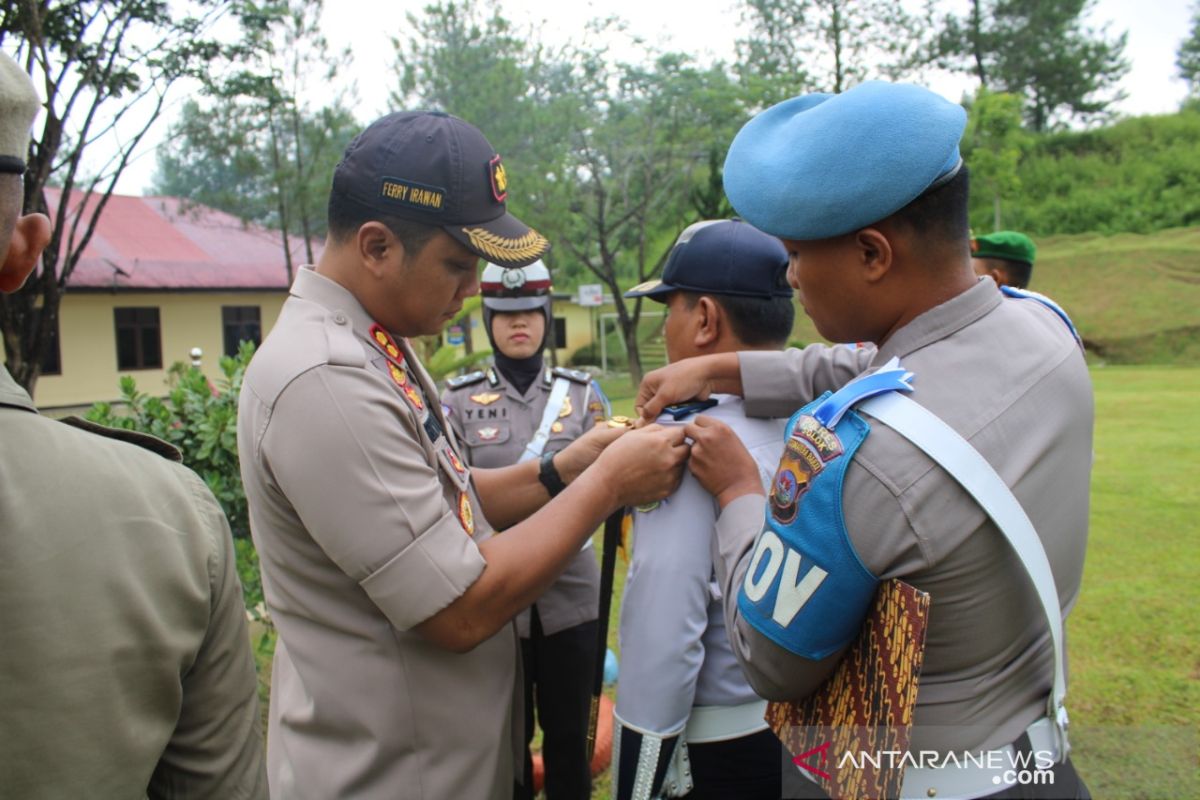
{"x": 566, "y": 409}
{"x": 400, "y": 377}
{"x": 485, "y": 398}
{"x": 556, "y": 427}
{"x": 488, "y": 434}
{"x": 465, "y": 515}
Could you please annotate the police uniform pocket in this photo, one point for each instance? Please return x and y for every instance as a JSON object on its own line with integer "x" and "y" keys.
{"x": 453, "y": 466}
{"x": 492, "y": 432}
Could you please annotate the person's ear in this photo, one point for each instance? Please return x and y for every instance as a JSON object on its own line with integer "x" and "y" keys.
{"x": 30, "y": 235}
{"x": 706, "y": 318}
{"x": 875, "y": 253}
{"x": 376, "y": 244}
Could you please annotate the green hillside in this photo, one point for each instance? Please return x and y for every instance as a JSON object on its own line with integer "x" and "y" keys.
{"x": 1135, "y": 298}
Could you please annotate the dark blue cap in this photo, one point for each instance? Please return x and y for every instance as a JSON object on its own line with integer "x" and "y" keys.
{"x": 434, "y": 168}
{"x": 722, "y": 257}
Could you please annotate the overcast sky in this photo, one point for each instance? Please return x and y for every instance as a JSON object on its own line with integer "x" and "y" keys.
{"x": 707, "y": 29}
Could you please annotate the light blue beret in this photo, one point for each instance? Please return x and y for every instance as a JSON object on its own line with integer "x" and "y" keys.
{"x": 821, "y": 165}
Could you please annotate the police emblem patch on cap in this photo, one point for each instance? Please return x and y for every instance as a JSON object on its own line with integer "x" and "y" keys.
{"x": 465, "y": 515}
{"x": 513, "y": 279}
{"x": 499, "y": 177}
{"x": 485, "y": 399}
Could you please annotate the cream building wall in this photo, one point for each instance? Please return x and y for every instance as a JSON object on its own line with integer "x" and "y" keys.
{"x": 88, "y": 341}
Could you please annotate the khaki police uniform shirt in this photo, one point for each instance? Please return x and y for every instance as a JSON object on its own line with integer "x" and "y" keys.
{"x": 1007, "y": 375}
{"x": 496, "y": 421}
{"x": 125, "y": 664}
{"x": 367, "y": 524}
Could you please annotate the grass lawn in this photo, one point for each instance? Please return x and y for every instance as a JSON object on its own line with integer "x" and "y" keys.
{"x": 1134, "y": 634}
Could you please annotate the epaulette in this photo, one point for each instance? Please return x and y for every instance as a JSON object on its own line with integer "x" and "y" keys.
{"x": 465, "y": 380}
{"x": 577, "y": 375}
{"x": 1026, "y": 294}
{"x": 142, "y": 440}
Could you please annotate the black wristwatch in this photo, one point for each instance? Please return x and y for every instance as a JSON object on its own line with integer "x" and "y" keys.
{"x": 548, "y": 475}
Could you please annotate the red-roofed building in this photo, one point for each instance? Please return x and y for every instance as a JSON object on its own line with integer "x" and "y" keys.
{"x": 160, "y": 277}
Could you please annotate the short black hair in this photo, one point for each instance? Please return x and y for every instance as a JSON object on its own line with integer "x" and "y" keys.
{"x": 347, "y": 215}
{"x": 756, "y": 321}
{"x": 941, "y": 213}
{"x": 1019, "y": 272}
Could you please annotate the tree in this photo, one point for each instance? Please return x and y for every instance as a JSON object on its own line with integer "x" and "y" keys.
{"x": 255, "y": 148}
{"x": 640, "y": 162}
{"x": 992, "y": 144}
{"x": 603, "y": 158}
{"x": 106, "y": 69}
{"x": 829, "y": 45}
{"x": 1188, "y": 57}
{"x": 1041, "y": 50}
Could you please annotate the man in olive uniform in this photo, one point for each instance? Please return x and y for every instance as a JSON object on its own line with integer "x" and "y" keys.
{"x": 879, "y": 252}
{"x": 125, "y": 665}
{"x": 516, "y": 410}
{"x": 1004, "y": 256}
{"x": 396, "y": 667}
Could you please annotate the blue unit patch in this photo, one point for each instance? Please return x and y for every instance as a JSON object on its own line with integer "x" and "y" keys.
{"x": 806, "y": 588}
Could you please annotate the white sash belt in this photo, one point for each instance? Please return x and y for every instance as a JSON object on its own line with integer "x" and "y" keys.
{"x": 718, "y": 723}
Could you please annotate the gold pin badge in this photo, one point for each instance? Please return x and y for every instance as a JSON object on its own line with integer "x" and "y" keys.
{"x": 620, "y": 422}
{"x": 566, "y": 409}
{"x": 485, "y": 399}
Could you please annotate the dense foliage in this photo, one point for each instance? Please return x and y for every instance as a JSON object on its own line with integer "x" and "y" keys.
{"x": 1139, "y": 175}
{"x": 200, "y": 418}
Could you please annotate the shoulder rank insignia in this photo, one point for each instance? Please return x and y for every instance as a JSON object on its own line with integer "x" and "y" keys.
{"x": 386, "y": 343}
{"x": 145, "y": 440}
{"x": 401, "y": 379}
{"x": 465, "y": 515}
{"x": 456, "y": 463}
{"x": 492, "y": 378}
{"x": 465, "y": 380}
{"x": 567, "y": 408}
{"x": 485, "y": 398}
{"x": 579, "y": 376}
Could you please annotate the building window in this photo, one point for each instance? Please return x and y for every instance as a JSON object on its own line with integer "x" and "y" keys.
{"x": 560, "y": 332}
{"x": 51, "y": 353}
{"x": 139, "y": 338}
{"x": 241, "y": 324}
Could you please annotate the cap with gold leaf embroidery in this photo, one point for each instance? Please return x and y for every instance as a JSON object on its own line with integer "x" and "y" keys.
{"x": 435, "y": 168}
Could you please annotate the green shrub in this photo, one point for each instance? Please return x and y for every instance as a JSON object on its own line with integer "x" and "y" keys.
{"x": 199, "y": 418}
